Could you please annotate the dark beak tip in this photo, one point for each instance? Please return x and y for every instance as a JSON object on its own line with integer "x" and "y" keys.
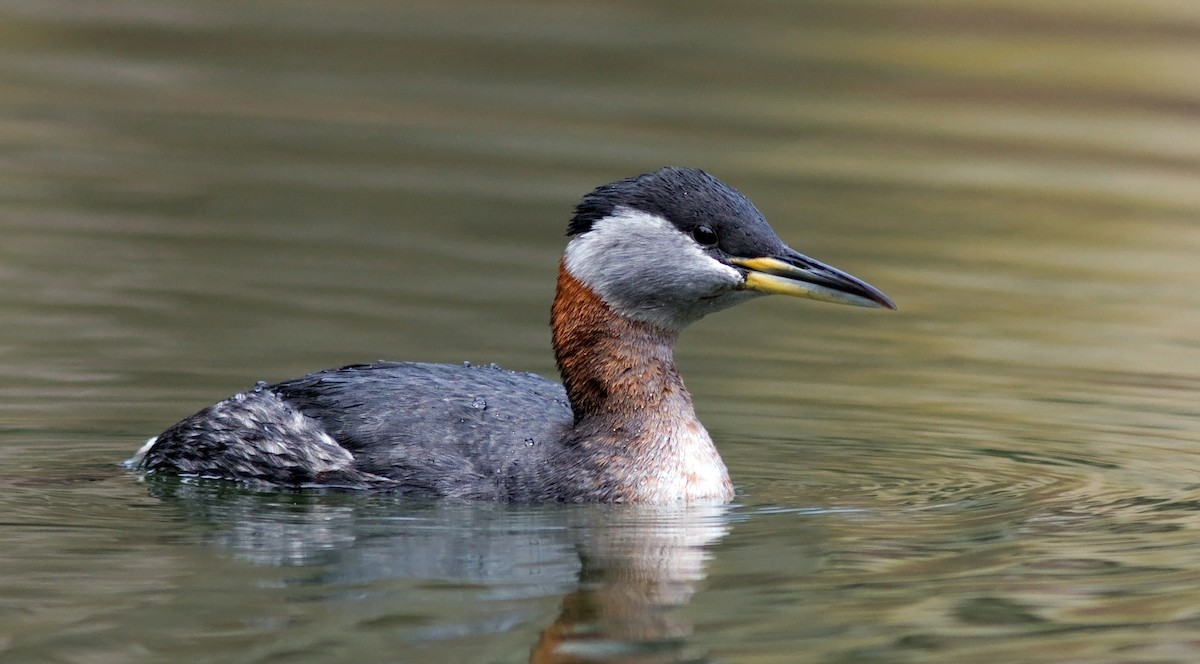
{"x": 875, "y": 295}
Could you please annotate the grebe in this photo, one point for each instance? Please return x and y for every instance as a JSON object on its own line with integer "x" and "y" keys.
{"x": 647, "y": 256}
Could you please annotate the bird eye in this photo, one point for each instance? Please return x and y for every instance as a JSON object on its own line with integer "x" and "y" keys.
{"x": 705, "y": 235}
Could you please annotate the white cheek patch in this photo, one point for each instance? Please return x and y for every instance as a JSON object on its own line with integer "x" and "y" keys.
{"x": 645, "y": 268}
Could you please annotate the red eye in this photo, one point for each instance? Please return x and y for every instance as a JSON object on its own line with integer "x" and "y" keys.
{"x": 705, "y": 235}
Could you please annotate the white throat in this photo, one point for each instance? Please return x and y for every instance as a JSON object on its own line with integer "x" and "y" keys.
{"x": 646, "y": 269}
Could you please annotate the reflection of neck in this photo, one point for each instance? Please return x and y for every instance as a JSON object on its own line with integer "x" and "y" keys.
{"x": 629, "y": 401}
{"x": 629, "y": 586}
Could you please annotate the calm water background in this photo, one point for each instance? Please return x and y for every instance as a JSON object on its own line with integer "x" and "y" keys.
{"x": 198, "y": 195}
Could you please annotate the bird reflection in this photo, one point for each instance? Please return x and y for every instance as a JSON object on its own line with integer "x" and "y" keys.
{"x": 634, "y": 571}
{"x": 622, "y": 573}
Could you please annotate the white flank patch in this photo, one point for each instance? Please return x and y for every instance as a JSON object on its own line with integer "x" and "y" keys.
{"x": 141, "y": 453}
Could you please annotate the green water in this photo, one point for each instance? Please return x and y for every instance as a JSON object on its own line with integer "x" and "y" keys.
{"x": 198, "y": 195}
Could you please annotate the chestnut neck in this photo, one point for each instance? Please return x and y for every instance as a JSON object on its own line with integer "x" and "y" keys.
{"x": 614, "y": 367}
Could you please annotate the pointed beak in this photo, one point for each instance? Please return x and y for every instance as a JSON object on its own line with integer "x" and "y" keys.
{"x": 800, "y": 276}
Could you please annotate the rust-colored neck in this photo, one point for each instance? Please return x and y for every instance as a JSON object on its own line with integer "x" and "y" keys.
{"x": 633, "y": 417}
{"x": 611, "y": 365}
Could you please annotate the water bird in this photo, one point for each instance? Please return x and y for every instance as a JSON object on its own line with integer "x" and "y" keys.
{"x": 647, "y": 256}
